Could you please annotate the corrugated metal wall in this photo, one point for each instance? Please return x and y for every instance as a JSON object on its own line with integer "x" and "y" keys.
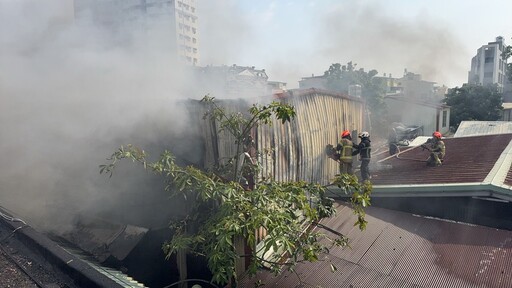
{"x": 297, "y": 148}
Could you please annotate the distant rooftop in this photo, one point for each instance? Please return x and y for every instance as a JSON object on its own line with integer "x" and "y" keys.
{"x": 472, "y": 128}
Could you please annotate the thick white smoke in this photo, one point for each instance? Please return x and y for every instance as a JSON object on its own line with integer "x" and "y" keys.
{"x": 69, "y": 96}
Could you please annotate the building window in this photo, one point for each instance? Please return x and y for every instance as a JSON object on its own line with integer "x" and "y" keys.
{"x": 445, "y": 117}
{"x": 489, "y": 59}
{"x": 194, "y": 40}
{"x": 488, "y": 75}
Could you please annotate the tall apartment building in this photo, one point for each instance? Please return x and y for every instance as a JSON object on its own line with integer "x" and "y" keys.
{"x": 175, "y": 21}
{"x": 488, "y": 66}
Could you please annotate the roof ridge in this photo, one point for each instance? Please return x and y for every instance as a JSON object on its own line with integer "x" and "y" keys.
{"x": 500, "y": 169}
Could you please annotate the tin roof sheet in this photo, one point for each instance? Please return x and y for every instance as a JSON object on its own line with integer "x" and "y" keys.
{"x": 404, "y": 250}
{"x": 467, "y": 160}
{"x": 472, "y": 128}
{"x": 104, "y": 238}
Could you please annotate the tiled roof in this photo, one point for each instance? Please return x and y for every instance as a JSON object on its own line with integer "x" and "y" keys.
{"x": 402, "y": 250}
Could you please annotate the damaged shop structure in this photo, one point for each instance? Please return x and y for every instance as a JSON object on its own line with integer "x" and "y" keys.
{"x": 445, "y": 226}
{"x": 297, "y": 148}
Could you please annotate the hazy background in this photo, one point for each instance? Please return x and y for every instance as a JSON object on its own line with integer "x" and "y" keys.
{"x": 294, "y": 39}
{"x": 69, "y": 95}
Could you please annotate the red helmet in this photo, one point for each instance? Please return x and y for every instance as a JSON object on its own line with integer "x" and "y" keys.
{"x": 345, "y": 133}
{"x": 437, "y": 135}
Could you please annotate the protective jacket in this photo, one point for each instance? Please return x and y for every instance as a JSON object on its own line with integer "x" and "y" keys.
{"x": 345, "y": 148}
{"x": 437, "y": 151}
{"x": 364, "y": 148}
{"x": 439, "y": 148}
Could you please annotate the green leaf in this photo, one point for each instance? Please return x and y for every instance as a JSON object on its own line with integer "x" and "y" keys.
{"x": 272, "y": 217}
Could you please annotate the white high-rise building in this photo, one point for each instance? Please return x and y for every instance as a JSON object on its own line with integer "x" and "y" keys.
{"x": 174, "y": 21}
{"x": 488, "y": 66}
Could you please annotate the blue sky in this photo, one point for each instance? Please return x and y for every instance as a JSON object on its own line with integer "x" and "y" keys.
{"x": 293, "y": 39}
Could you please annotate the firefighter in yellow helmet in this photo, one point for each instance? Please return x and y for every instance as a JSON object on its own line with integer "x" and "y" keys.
{"x": 437, "y": 149}
{"x": 344, "y": 149}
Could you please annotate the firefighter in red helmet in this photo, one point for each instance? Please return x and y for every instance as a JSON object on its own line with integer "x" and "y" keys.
{"x": 344, "y": 149}
{"x": 437, "y": 149}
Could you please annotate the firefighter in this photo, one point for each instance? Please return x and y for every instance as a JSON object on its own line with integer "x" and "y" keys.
{"x": 344, "y": 149}
{"x": 437, "y": 149}
{"x": 364, "y": 150}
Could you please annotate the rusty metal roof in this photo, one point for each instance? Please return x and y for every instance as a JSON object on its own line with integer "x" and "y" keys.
{"x": 468, "y": 159}
{"x": 473, "y": 166}
{"x": 403, "y": 250}
{"x": 317, "y": 91}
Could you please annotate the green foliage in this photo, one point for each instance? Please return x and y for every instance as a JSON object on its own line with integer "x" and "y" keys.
{"x": 239, "y": 126}
{"x": 223, "y": 210}
{"x": 340, "y": 77}
{"x": 474, "y": 102}
{"x": 360, "y": 196}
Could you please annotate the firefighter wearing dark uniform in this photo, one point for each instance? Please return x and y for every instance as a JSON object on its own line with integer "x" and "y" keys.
{"x": 344, "y": 149}
{"x": 437, "y": 150}
{"x": 364, "y": 150}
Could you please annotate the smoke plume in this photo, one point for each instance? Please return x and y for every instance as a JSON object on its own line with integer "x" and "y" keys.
{"x": 70, "y": 95}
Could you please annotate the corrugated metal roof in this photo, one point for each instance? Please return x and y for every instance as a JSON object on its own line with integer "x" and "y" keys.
{"x": 119, "y": 277}
{"x": 103, "y": 238}
{"x": 297, "y": 148}
{"x": 404, "y": 250}
{"x": 317, "y": 91}
{"x": 508, "y": 179}
{"x": 467, "y": 160}
{"x": 507, "y": 105}
{"x": 472, "y": 128}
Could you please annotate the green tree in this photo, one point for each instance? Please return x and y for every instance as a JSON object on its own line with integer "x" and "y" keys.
{"x": 223, "y": 210}
{"x": 474, "y": 102}
{"x": 340, "y": 77}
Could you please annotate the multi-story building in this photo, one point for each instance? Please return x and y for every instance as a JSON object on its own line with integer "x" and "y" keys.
{"x": 488, "y": 66}
{"x": 174, "y": 22}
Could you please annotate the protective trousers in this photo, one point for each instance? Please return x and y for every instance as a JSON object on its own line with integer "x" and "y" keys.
{"x": 365, "y": 169}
